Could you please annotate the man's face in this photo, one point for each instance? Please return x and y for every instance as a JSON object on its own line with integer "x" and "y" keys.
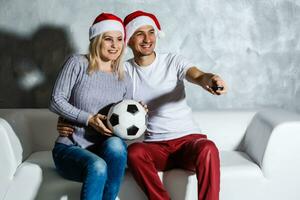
{"x": 143, "y": 41}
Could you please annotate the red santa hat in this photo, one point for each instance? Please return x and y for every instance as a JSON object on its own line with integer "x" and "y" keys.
{"x": 139, "y": 18}
{"x": 106, "y": 22}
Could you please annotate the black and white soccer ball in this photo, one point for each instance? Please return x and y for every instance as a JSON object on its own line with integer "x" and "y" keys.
{"x": 127, "y": 119}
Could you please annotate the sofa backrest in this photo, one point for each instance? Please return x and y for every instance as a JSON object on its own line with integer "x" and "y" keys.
{"x": 226, "y": 128}
{"x": 36, "y": 128}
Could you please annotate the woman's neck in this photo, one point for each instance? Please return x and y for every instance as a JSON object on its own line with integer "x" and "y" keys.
{"x": 105, "y": 66}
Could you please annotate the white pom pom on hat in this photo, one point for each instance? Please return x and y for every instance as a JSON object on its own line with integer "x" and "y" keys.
{"x": 161, "y": 34}
{"x": 139, "y": 18}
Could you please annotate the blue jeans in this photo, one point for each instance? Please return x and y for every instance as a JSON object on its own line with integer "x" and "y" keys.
{"x": 100, "y": 169}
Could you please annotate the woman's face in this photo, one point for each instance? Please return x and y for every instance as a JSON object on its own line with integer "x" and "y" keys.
{"x": 111, "y": 45}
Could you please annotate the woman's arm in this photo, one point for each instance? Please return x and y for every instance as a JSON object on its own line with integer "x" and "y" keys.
{"x": 61, "y": 93}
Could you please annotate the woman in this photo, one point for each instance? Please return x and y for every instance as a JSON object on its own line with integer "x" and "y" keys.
{"x": 85, "y": 87}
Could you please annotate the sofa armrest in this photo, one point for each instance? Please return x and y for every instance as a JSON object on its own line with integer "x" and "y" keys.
{"x": 10, "y": 151}
{"x": 272, "y": 140}
{"x": 18, "y": 120}
{"x": 25, "y": 183}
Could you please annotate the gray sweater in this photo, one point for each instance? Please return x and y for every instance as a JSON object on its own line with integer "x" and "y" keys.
{"x": 76, "y": 95}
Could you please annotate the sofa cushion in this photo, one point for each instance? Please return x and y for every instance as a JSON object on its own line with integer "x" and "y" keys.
{"x": 240, "y": 176}
{"x": 237, "y": 164}
{"x": 53, "y": 186}
{"x": 236, "y": 167}
{"x": 180, "y": 183}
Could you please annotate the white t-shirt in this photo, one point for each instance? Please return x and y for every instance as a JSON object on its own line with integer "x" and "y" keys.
{"x": 160, "y": 85}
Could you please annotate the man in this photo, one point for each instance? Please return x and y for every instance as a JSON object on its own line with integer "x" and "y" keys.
{"x": 172, "y": 140}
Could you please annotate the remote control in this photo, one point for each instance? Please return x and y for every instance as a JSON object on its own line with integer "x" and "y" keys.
{"x": 216, "y": 87}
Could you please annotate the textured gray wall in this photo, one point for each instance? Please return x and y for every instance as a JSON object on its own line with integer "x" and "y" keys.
{"x": 253, "y": 44}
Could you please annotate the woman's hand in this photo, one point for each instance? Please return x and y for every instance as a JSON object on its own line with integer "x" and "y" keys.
{"x": 64, "y": 128}
{"x": 96, "y": 122}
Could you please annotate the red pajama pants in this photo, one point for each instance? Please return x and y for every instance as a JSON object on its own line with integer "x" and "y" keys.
{"x": 193, "y": 152}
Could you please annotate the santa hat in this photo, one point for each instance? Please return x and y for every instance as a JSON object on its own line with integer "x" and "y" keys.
{"x": 106, "y": 22}
{"x": 135, "y": 20}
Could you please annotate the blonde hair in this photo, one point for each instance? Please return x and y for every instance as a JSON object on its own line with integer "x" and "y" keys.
{"x": 94, "y": 56}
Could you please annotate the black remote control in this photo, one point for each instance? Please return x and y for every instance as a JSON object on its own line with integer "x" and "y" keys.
{"x": 216, "y": 87}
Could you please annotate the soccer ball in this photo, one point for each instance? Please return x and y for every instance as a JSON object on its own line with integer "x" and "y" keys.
{"x": 127, "y": 119}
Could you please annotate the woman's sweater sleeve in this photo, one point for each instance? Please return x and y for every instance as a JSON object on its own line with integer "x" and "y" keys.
{"x": 62, "y": 90}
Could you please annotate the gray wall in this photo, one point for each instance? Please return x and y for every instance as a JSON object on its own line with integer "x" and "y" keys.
{"x": 253, "y": 44}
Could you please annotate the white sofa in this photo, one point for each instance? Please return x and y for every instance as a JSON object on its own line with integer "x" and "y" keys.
{"x": 260, "y": 157}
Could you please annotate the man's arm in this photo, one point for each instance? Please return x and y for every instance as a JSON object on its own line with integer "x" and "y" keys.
{"x": 208, "y": 81}
{"x": 64, "y": 128}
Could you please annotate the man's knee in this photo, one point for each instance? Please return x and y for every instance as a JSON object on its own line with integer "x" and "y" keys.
{"x": 210, "y": 146}
{"x": 207, "y": 150}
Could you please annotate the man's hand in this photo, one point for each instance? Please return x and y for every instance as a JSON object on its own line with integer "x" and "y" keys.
{"x": 144, "y": 105}
{"x": 210, "y": 82}
{"x": 96, "y": 122}
{"x": 64, "y": 128}
{"x": 216, "y": 85}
